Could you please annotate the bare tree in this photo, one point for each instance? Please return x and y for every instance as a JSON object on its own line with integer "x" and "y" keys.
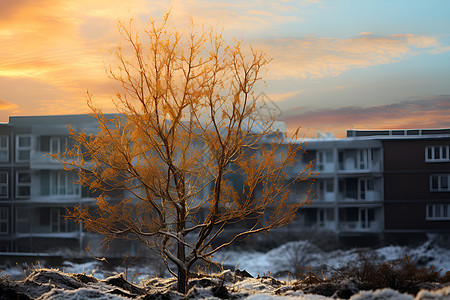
{"x": 188, "y": 119}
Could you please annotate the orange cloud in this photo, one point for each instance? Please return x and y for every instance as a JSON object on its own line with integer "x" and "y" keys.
{"x": 5, "y": 105}
{"x": 57, "y": 42}
{"x": 426, "y": 113}
{"x": 63, "y": 43}
{"x": 318, "y": 57}
{"x": 283, "y": 96}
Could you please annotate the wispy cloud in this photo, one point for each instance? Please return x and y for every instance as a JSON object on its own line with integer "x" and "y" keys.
{"x": 283, "y": 96}
{"x": 424, "y": 113}
{"x": 318, "y": 57}
{"x": 63, "y": 43}
{"x": 237, "y": 16}
{"x": 5, "y": 105}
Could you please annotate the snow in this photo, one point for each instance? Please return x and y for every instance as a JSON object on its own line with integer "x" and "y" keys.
{"x": 50, "y": 284}
{"x": 297, "y": 297}
{"x": 77, "y": 281}
{"x": 441, "y": 294}
{"x": 288, "y": 257}
{"x": 81, "y": 293}
{"x": 381, "y": 295}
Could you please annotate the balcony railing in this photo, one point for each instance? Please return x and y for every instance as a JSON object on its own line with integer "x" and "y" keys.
{"x": 358, "y": 226}
{"x": 351, "y": 166}
{"x": 54, "y": 229}
{"x": 39, "y": 159}
{"x": 354, "y": 196}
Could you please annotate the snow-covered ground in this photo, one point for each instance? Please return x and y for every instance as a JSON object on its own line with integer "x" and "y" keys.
{"x": 290, "y": 256}
{"x": 282, "y": 260}
{"x": 281, "y": 263}
{"x": 48, "y": 284}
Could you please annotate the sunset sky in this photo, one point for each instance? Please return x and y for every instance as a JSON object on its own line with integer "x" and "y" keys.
{"x": 372, "y": 64}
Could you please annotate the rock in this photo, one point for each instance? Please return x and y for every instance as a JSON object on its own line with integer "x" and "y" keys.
{"x": 85, "y": 278}
{"x": 243, "y": 273}
{"x": 54, "y": 277}
{"x": 122, "y": 283}
{"x": 7, "y": 293}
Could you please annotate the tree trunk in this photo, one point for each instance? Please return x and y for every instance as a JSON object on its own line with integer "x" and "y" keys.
{"x": 182, "y": 270}
{"x": 181, "y": 253}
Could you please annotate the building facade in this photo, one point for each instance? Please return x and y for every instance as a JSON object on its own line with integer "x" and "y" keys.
{"x": 416, "y": 179}
{"x": 385, "y": 186}
{"x": 372, "y": 186}
{"x": 35, "y": 189}
{"x": 348, "y": 190}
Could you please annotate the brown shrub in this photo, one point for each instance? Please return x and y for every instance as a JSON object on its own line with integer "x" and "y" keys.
{"x": 399, "y": 274}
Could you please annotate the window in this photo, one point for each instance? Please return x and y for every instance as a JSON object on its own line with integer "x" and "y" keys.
{"x": 4, "y": 148}
{"x": 58, "y": 223}
{"x": 437, "y": 153}
{"x": 63, "y": 183}
{"x": 362, "y": 189}
{"x": 23, "y": 184}
{"x": 58, "y": 183}
{"x": 324, "y": 158}
{"x": 22, "y": 219}
{"x": 357, "y": 218}
{"x": 440, "y": 183}
{"x": 438, "y": 211}
{"x": 362, "y": 159}
{"x": 365, "y": 185}
{"x": 375, "y": 155}
{"x": 55, "y": 144}
{"x": 370, "y": 184}
{"x": 366, "y": 217}
{"x": 326, "y": 189}
{"x": 3, "y": 184}
{"x": 23, "y": 148}
{"x": 4, "y": 220}
{"x": 354, "y": 159}
{"x": 60, "y": 144}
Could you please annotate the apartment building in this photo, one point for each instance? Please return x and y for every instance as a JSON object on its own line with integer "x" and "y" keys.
{"x": 34, "y": 187}
{"x": 416, "y": 180}
{"x": 380, "y": 186}
{"x": 371, "y": 186}
{"x": 348, "y": 190}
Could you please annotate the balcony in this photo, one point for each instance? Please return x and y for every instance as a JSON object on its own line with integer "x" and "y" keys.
{"x": 324, "y": 162}
{"x": 324, "y": 167}
{"x": 360, "y": 160}
{"x": 360, "y": 189}
{"x": 358, "y": 219}
{"x": 353, "y": 195}
{"x": 41, "y": 160}
{"x": 359, "y": 226}
{"x": 44, "y": 221}
{"x": 325, "y": 196}
{"x": 314, "y": 218}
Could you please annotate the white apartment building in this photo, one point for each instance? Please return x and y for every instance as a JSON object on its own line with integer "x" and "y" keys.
{"x": 349, "y": 195}
{"x": 348, "y": 189}
{"x": 35, "y": 188}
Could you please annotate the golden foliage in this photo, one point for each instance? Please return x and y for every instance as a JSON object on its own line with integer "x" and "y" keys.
{"x": 188, "y": 127}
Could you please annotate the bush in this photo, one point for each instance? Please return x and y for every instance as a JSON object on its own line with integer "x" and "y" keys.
{"x": 399, "y": 274}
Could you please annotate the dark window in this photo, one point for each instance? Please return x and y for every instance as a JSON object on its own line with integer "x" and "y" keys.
{"x": 352, "y": 214}
{"x": 435, "y": 182}
{"x": 45, "y": 144}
